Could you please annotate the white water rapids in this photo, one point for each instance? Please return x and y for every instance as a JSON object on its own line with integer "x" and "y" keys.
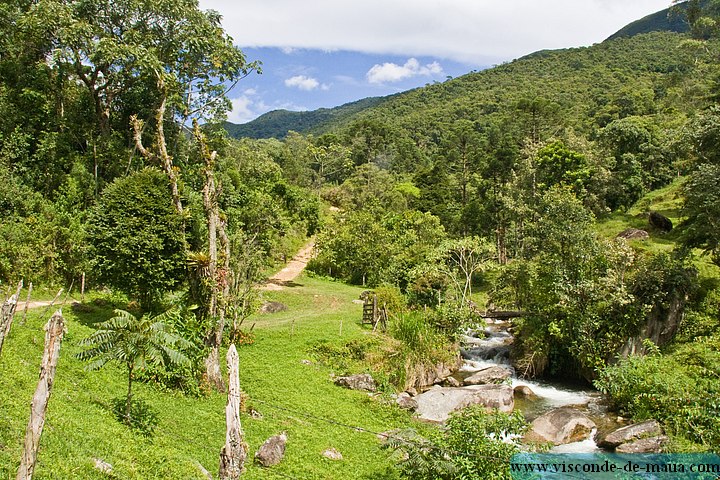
{"x": 494, "y": 349}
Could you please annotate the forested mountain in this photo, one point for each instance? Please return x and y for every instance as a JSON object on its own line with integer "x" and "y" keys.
{"x": 504, "y": 189}
{"x": 662, "y": 21}
{"x": 278, "y": 123}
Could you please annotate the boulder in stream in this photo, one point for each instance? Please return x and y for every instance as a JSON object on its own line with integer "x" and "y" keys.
{"x": 438, "y": 403}
{"x": 560, "y": 426}
{"x": 644, "y": 445}
{"x": 489, "y": 375}
{"x": 650, "y": 428}
{"x": 524, "y": 391}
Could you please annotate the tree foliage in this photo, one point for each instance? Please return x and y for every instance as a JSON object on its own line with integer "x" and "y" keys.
{"x": 136, "y": 238}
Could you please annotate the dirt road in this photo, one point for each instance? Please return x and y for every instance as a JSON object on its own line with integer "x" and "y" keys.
{"x": 291, "y": 270}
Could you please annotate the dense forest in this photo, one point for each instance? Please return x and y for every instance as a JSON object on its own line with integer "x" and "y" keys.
{"x": 506, "y": 189}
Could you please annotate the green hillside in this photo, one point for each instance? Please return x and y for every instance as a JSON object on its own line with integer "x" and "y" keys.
{"x": 278, "y": 123}
{"x": 662, "y": 21}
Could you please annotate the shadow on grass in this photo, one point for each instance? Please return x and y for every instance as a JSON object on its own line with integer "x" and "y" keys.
{"x": 95, "y": 311}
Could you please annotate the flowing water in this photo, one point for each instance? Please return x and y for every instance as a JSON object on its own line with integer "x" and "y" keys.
{"x": 492, "y": 347}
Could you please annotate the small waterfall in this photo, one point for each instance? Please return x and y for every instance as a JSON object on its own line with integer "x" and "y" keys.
{"x": 490, "y": 346}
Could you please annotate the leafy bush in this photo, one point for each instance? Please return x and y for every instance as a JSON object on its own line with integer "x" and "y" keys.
{"x": 421, "y": 347}
{"x": 476, "y": 444}
{"x": 682, "y": 390}
{"x": 137, "y": 237}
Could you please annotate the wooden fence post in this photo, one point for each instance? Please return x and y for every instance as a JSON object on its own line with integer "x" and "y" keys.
{"x": 53, "y": 338}
{"x": 27, "y": 304}
{"x": 7, "y": 313}
{"x": 234, "y": 453}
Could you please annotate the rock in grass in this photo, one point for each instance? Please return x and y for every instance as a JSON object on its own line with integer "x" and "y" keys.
{"x": 332, "y": 454}
{"x": 361, "y": 381}
{"x": 634, "y": 234}
{"x": 660, "y": 221}
{"x": 102, "y": 466}
{"x": 273, "y": 307}
{"x": 272, "y": 451}
{"x": 406, "y": 402}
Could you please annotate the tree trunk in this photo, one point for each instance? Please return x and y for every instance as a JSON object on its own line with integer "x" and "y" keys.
{"x": 234, "y": 453}
{"x": 214, "y": 337}
{"x": 7, "y": 313}
{"x": 128, "y": 400}
{"x": 53, "y": 338}
{"x": 27, "y": 304}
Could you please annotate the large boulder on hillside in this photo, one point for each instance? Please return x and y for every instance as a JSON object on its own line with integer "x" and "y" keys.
{"x": 650, "y": 428}
{"x": 438, "y": 403}
{"x": 660, "y": 221}
{"x": 422, "y": 376}
{"x": 361, "y": 381}
{"x": 634, "y": 234}
{"x": 273, "y": 307}
{"x": 644, "y": 445}
{"x": 560, "y": 426}
{"x": 490, "y": 375}
{"x": 272, "y": 451}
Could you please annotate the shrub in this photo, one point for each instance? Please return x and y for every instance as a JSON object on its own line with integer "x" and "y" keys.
{"x": 476, "y": 444}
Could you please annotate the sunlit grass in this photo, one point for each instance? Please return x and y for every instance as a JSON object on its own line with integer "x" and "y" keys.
{"x": 291, "y": 395}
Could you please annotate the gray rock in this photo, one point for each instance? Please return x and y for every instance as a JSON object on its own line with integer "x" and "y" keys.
{"x": 406, "y": 402}
{"x": 650, "y": 428}
{"x": 644, "y": 445}
{"x": 561, "y": 426}
{"x": 272, "y": 451}
{"x": 489, "y": 375}
{"x": 332, "y": 454}
{"x": 438, "y": 403}
{"x": 273, "y": 307}
{"x": 361, "y": 381}
{"x": 524, "y": 391}
{"x": 660, "y": 221}
{"x": 102, "y": 466}
{"x": 452, "y": 382}
{"x": 634, "y": 234}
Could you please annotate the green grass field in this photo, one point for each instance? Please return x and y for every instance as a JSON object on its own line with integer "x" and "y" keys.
{"x": 291, "y": 396}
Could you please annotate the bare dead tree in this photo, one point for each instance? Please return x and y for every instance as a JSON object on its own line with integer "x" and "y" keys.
{"x": 7, "y": 313}
{"x": 54, "y": 331}
{"x": 234, "y": 452}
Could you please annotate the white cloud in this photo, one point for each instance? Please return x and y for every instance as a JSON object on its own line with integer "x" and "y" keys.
{"x": 242, "y": 110}
{"x": 470, "y": 31}
{"x": 392, "y": 72}
{"x": 302, "y": 82}
{"x": 250, "y": 105}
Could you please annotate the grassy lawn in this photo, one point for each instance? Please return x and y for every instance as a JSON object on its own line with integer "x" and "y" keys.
{"x": 291, "y": 396}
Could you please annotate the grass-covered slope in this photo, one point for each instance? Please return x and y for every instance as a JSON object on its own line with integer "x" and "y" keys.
{"x": 290, "y": 395}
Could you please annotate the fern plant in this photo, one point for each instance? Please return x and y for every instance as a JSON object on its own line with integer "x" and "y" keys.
{"x": 136, "y": 343}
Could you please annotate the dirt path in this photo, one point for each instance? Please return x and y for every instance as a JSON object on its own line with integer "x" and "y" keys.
{"x": 291, "y": 271}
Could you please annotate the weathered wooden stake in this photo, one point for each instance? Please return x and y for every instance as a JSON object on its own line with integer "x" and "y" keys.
{"x": 27, "y": 304}
{"x": 53, "y": 338}
{"x": 234, "y": 453}
{"x": 82, "y": 288}
{"x": 53, "y": 302}
{"x": 7, "y": 313}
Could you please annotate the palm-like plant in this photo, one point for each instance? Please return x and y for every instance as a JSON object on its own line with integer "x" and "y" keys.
{"x": 136, "y": 343}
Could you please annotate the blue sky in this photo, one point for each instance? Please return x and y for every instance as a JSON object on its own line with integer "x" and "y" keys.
{"x": 324, "y": 53}
{"x": 308, "y": 79}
